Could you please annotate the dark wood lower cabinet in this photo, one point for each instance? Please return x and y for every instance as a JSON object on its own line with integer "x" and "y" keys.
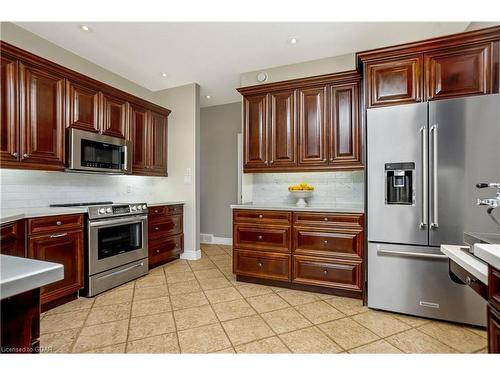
{"x": 493, "y": 310}
{"x": 12, "y": 239}
{"x": 324, "y": 254}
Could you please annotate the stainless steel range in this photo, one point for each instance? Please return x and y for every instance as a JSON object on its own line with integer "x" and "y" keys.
{"x": 117, "y": 245}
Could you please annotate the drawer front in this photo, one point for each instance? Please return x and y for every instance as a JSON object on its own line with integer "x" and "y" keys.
{"x": 493, "y": 330}
{"x": 336, "y": 273}
{"x": 161, "y": 250}
{"x": 326, "y": 219}
{"x": 264, "y": 265}
{"x": 54, "y": 223}
{"x": 270, "y": 238}
{"x": 328, "y": 242}
{"x": 159, "y": 213}
{"x": 494, "y": 287}
{"x": 167, "y": 227}
{"x": 264, "y": 217}
{"x": 175, "y": 210}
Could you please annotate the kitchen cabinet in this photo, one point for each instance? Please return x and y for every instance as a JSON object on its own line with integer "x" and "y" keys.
{"x": 114, "y": 115}
{"x": 158, "y": 144}
{"x": 58, "y": 239}
{"x": 303, "y": 250}
{"x": 493, "y": 320}
{"x": 9, "y": 126}
{"x": 165, "y": 233}
{"x": 308, "y": 124}
{"x": 138, "y": 135}
{"x": 12, "y": 239}
{"x": 82, "y": 107}
{"x": 440, "y": 68}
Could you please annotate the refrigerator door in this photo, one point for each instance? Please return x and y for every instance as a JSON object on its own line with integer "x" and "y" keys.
{"x": 464, "y": 149}
{"x": 396, "y": 138}
{"x": 414, "y": 280}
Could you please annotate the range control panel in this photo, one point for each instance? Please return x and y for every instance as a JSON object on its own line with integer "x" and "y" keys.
{"x": 96, "y": 212}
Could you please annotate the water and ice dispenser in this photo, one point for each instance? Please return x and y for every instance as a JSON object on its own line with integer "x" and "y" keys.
{"x": 399, "y": 183}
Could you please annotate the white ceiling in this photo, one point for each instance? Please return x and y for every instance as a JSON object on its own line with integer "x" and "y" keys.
{"x": 215, "y": 54}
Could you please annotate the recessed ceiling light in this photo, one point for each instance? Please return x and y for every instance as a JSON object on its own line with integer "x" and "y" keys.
{"x": 164, "y": 74}
{"x": 84, "y": 27}
{"x": 293, "y": 40}
{"x": 208, "y": 97}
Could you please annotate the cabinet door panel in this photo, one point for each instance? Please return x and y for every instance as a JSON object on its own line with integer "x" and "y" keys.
{"x": 114, "y": 116}
{"x": 41, "y": 99}
{"x": 345, "y": 134}
{"x": 458, "y": 72}
{"x": 255, "y": 131}
{"x": 265, "y": 238}
{"x": 262, "y": 265}
{"x": 138, "y": 136}
{"x": 395, "y": 82}
{"x": 282, "y": 144}
{"x": 12, "y": 239}
{"x": 312, "y": 126}
{"x": 82, "y": 107}
{"x": 66, "y": 249}
{"x": 158, "y": 144}
{"x": 9, "y": 130}
{"x": 327, "y": 242}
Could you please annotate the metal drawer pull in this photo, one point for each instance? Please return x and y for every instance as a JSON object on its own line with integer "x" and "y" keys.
{"x": 325, "y": 272}
{"x": 26, "y": 156}
{"x": 259, "y": 237}
{"x": 156, "y": 211}
{"x": 259, "y": 264}
{"x": 411, "y": 254}
{"x": 58, "y": 235}
{"x": 157, "y": 228}
{"x": 325, "y": 219}
{"x": 261, "y": 216}
{"x": 325, "y": 242}
{"x": 58, "y": 223}
{"x": 121, "y": 271}
{"x": 15, "y": 154}
{"x": 157, "y": 251}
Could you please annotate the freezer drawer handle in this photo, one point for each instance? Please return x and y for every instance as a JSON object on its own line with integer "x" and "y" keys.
{"x": 121, "y": 271}
{"x": 425, "y": 154}
{"x": 434, "y": 131}
{"x": 411, "y": 254}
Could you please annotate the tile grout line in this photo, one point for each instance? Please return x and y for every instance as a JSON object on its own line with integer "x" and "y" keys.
{"x": 129, "y": 319}
{"x": 172, "y": 310}
{"x": 72, "y": 347}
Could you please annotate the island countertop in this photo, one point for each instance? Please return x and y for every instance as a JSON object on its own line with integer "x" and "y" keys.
{"x": 469, "y": 262}
{"x": 18, "y": 275}
{"x": 338, "y": 207}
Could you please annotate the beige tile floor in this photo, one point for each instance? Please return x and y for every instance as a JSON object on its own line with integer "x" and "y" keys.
{"x": 199, "y": 307}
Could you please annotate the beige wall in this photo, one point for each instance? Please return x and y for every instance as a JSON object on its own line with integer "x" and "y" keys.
{"x": 22, "y": 38}
{"x": 220, "y": 126}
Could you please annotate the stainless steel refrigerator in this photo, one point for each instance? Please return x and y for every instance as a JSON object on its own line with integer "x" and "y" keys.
{"x": 423, "y": 162}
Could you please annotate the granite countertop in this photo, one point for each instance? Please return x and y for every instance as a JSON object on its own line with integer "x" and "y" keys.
{"x": 490, "y": 253}
{"x": 469, "y": 262}
{"x": 338, "y": 207}
{"x": 18, "y": 275}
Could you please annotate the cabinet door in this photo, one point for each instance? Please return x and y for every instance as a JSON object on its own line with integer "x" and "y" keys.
{"x": 392, "y": 82}
{"x": 458, "y": 72}
{"x": 255, "y": 131}
{"x": 158, "y": 144}
{"x": 312, "y": 140}
{"x": 114, "y": 116}
{"x": 282, "y": 138}
{"x": 82, "y": 107}
{"x": 493, "y": 330}
{"x": 64, "y": 248}
{"x": 9, "y": 126}
{"x": 138, "y": 122}
{"x": 344, "y": 129}
{"x": 12, "y": 239}
{"x": 42, "y": 121}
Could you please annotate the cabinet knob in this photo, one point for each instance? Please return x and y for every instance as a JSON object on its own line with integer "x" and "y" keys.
{"x": 325, "y": 242}
{"x": 259, "y": 237}
{"x": 15, "y": 154}
{"x": 325, "y": 272}
{"x": 259, "y": 264}
{"x": 156, "y": 211}
{"x": 261, "y": 216}
{"x": 176, "y": 244}
{"x": 58, "y": 223}
{"x": 157, "y": 251}
{"x": 26, "y": 156}
{"x": 157, "y": 228}
{"x": 325, "y": 219}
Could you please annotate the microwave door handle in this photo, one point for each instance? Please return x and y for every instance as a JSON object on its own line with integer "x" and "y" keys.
{"x": 424, "y": 143}
{"x": 105, "y": 223}
{"x": 435, "y": 190}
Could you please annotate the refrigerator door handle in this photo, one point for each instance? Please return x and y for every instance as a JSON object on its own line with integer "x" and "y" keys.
{"x": 424, "y": 145}
{"x": 435, "y": 220}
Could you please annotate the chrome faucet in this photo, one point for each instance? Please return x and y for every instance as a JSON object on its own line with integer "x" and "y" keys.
{"x": 492, "y": 203}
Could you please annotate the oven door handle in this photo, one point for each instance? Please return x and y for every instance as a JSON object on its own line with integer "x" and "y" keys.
{"x": 104, "y": 223}
{"x": 121, "y": 271}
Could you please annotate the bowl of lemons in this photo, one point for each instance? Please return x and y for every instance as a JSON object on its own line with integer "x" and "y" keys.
{"x": 301, "y": 191}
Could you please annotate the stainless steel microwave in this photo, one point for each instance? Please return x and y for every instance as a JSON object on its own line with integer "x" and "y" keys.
{"x": 92, "y": 152}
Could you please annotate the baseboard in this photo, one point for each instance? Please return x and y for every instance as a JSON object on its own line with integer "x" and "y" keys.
{"x": 191, "y": 254}
{"x": 211, "y": 239}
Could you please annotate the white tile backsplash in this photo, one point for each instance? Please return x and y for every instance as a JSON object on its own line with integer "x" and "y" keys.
{"x": 329, "y": 187}
{"x": 32, "y": 189}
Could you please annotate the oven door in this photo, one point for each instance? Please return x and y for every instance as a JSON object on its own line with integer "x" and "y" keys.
{"x": 114, "y": 242}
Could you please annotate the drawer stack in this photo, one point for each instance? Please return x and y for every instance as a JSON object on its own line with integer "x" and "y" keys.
{"x": 165, "y": 233}
{"x": 309, "y": 250}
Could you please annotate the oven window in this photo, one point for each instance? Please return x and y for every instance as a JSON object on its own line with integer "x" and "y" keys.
{"x": 101, "y": 155}
{"x": 118, "y": 239}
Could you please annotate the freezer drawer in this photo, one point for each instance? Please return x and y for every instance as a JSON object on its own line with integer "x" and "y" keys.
{"x": 414, "y": 280}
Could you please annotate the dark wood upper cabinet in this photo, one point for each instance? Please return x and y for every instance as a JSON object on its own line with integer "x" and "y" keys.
{"x": 114, "y": 116}
{"x": 138, "y": 134}
{"x": 458, "y": 71}
{"x": 82, "y": 107}
{"x": 158, "y": 144}
{"x": 41, "y": 116}
{"x": 9, "y": 129}
{"x": 282, "y": 131}
{"x": 255, "y": 131}
{"x": 312, "y": 138}
{"x": 345, "y": 137}
{"x": 397, "y": 81}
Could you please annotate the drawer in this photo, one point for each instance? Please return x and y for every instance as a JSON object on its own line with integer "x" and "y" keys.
{"x": 334, "y": 273}
{"x": 52, "y": 224}
{"x": 164, "y": 249}
{"x": 494, "y": 287}
{"x": 327, "y": 219}
{"x": 264, "y": 217}
{"x": 159, "y": 213}
{"x": 328, "y": 242}
{"x": 167, "y": 227}
{"x": 175, "y": 210}
{"x": 255, "y": 237}
{"x": 264, "y": 265}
